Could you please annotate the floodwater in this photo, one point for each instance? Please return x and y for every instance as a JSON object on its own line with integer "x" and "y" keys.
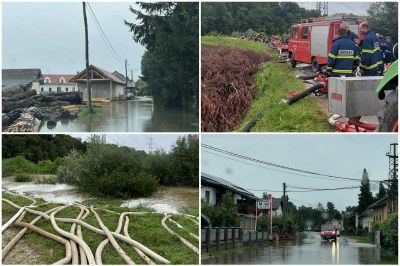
{"x": 57, "y": 193}
{"x": 139, "y": 115}
{"x": 307, "y": 248}
{"x": 165, "y": 200}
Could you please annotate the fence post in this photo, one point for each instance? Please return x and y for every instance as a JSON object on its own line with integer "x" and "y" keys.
{"x": 240, "y": 234}
{"x": 233, "y": 236}
{"x": 226, "y": 237}
{"x": 207, "y": 238}
{"x": 262, "y": 235}
{"x": 217, "y": 237}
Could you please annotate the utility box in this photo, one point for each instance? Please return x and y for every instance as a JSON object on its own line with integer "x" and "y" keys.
{"x": 354, "y": 96}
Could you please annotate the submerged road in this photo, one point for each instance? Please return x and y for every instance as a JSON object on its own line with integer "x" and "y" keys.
{"x": 307, "y": 248}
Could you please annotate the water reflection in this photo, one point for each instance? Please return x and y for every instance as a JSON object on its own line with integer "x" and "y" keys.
{"x": 307, "y": 248}
{"x": 129, "y": 116}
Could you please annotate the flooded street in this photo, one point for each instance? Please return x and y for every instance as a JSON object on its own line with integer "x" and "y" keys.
{"x": 166, "y": 199}
{"x": 129, "y": 116}
{"x": 307, "y": 248}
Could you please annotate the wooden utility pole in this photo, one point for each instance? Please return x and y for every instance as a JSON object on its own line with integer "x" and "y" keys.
{"x": 284, "y": 207}
{"x": 87, "y": 57}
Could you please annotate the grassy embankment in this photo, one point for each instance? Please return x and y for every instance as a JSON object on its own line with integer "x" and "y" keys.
{"x": 272, "y": 81}
{"x": 361, "y": 239}
{"x": 145, "y": 229}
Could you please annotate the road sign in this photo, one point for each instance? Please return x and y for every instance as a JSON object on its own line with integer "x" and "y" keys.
{"x": 263, "y": 205}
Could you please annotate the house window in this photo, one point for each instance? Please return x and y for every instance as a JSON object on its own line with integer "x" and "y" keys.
{"x": 66, "y": 89}
{"x": 58, "y": 89}
{"x": 207, "y": 196}
{"x": 42, "y": 89}
{"x": 47, "y": 80}
{"x": 304, "y": 33}
{"x": 62, "y": 80}
{"x": 49, "y": 89}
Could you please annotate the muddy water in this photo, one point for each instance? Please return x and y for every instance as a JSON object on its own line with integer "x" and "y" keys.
{"x": 166, "y": 199}
{"x": 307, "y": 248}
{"x": 129, "y": 116}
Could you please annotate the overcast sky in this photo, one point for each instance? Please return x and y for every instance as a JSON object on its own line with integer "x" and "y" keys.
{"x": 50, "y": 36}
{"x": 138, "y": 141}
{"x": 340, "y": 155}
{"x": 357, "y": 8}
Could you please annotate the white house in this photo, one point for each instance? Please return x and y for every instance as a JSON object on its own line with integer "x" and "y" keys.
{"x": 57, "y": 83}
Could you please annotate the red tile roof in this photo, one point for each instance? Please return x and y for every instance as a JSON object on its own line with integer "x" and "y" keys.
{"x": 55, "y": 78}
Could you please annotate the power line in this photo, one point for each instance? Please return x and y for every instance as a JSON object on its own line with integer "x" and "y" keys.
{"x": 275, "y": 170}
{"x": 102, "y": 34}
{"x": 274, "y": 164}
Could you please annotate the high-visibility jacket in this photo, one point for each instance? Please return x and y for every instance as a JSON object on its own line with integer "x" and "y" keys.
{"x": 371, "y": 57}
{"x": 343, "y": 57}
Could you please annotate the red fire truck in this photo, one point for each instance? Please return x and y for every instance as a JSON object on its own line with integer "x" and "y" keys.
{"x": 311, "y": 40}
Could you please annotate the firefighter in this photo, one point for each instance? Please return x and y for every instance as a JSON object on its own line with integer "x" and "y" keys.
{"x": 382, "y": 45}
{"x": 389, "y": 50}
{"x": 371, "y": 57}
{"x": 343, "y": 58}
{"x": 351, "y": 35}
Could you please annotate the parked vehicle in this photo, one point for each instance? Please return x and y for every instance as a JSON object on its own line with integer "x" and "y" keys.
{"x": 311, "y": 40}
{"x": 329, "y": 231}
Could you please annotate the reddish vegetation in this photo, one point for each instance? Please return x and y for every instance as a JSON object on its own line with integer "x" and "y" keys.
{"x": 226, "y": 86}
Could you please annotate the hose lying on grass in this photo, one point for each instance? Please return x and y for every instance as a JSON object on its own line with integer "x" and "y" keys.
{"x": 183, "y": 240}
{"x": 76, "y": 248}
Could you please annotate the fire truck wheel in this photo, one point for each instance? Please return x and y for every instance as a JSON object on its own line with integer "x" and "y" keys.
{"x": 388, "y": 116}
{"x": 292, "y": 62}
{"x": 315, "y": 66}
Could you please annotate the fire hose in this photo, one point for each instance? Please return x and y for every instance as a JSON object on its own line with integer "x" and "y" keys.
{"x": 86, "y": 254}
{"x": 303, "y": 94}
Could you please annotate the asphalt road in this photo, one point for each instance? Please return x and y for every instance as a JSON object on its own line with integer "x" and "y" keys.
{"x": 306, "y": 248}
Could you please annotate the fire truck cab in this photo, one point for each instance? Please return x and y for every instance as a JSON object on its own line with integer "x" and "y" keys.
{"x": 311, "y": 40}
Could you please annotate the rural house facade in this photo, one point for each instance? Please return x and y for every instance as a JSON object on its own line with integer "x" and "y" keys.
{"x": 57, "y": 83}
{"x": 377, "y": 211}
{"x": 28, "y": 79}
{"x": 104, "y": 84}
{"x": 212, "y": 190}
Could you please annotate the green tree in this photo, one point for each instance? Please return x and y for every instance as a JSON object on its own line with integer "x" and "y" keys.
{"x": 382, "y": 191}
{"x": 169, "y": 31}
{"x": 383, "y": 18}
{"x": 365, "y": 197}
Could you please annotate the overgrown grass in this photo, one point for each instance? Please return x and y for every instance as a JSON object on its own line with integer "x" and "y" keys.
{"x": 145, "y": 229}
{"x": 272, "y": 81}
{"x": 23, "y": 178}
{"x": 85, "y": 112}
{"x": 257, "y": 47}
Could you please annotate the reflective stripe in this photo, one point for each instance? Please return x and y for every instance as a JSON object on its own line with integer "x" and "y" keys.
{"x": 342, "y": 71}
{"x": 331, "y": 55}
{"x": 370, "y": 51}
{"x": 372, "y": 66}
{"x": 356, "y": 58}
{"x": 328, "y": 67}
{"x": 346, "y": 57}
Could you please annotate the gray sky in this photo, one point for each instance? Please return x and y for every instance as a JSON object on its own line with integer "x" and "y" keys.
{"x": 357, "y": 8}
{"x": 50, "y": 36}
{"x": 138, "y": 141}
{"x": 335, "y": 154}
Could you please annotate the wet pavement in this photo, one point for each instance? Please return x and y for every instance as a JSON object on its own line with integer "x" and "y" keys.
{"x": 307, "y": 248}
{"x": 129, "y": 116}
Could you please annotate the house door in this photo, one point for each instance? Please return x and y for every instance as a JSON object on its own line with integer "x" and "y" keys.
{"x": 58, "y": 89}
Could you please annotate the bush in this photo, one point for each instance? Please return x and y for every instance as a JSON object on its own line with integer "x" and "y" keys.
{"x": 15, "y": 165}
{"x": 389, "y": 228}
{"x": 23, "y": 178}
{"x": 223, "y": 214}
{"x": 112, "y": 170}
{"x": 69, "y": 169}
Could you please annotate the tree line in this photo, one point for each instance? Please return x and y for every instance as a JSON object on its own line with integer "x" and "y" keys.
{"x": 169, "y": 31}
{"x": 109, "y": 169}
{"x": 269, "y": 18}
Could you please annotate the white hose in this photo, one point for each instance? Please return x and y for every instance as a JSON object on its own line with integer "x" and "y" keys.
{"x": 333, "y": 119}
